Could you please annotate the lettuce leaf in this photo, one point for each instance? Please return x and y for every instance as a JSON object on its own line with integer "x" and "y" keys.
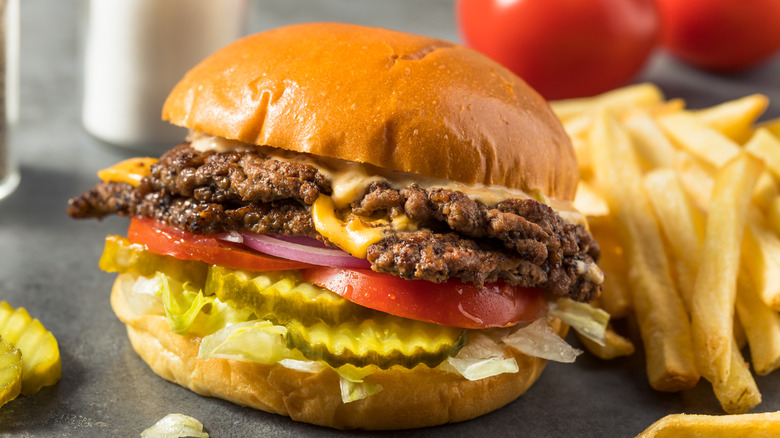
{"x": 250, "y": 341}
{"x": 540, "y": 340}
{"x": 481, "y": 358}
{"x": 175, "y": 426}
{"x": 306, "y": 366}
{"x": 478, "y": 369}
{"x": 353, "y": 388}
{"x": 190, "y": 311}
{"x": 141, "y": 294}
{"x": 589, "y": 321}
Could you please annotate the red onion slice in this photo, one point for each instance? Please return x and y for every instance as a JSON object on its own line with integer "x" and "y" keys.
{"x": 306, "y": 241}
{"x": 299, "y": 249}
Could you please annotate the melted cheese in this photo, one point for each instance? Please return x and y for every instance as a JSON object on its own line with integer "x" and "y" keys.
{"x": 402, "y": 222}
{"x": 354, "y": 236}
{"x": 130, "y": 171}
{"x": 350, "y": 180}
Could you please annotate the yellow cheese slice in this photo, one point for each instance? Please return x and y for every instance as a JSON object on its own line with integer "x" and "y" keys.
{"x": 129, "y": 171}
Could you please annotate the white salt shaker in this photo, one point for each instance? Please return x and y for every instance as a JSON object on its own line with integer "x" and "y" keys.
{"x": 136, "y": 51}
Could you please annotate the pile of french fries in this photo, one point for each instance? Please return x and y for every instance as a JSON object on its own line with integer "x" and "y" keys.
{"x": 686, "y": 207}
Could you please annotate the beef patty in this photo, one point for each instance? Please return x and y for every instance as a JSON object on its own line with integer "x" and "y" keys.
{"x": 520, "y": 241}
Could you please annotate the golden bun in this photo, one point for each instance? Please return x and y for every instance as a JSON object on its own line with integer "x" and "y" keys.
{"x": 409, "y": 399}
{"x": 391, "y": 99}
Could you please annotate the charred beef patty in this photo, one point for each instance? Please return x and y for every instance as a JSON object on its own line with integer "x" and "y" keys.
{"x": 521, "y": 241}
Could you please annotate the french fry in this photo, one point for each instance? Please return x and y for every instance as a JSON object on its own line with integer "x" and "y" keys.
{"x": 712, "y": 304}
{"x": 668, "y": 107}
{"x": 661, "y": 314}
{"x": 589, "y": 202}
{"x": 735, "y": 118}
{"x": 761, "y": 325}
{"x": 739, "y": 393}
{"x": 615, "y": 291}
{"x": 580, "y": 146}
{"x": 714, "y": 426}
{"x": 618, "y": 100}
{"x": 766, "y": 146}
{"x": 697, "y": 177}
{"x": 699, "y": 139}
{"x": 615, "y": 345}
{"x": 739, "y": 331}
{"x": 761, "y": 258}
{"x": 766, "y": 191}
{"x": 682, "y": 224}
{"x": 650, "y": 141}
{"x": 578, "y": 125}
{"x": 772, "y": 126}
{"x": 773, "y": 216}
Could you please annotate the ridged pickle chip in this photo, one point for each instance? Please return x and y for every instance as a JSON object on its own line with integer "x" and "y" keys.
{"x": 41, "y": 364}
{"x": 10, "y": 372}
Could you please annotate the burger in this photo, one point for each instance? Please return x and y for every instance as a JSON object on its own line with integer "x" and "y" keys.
{"x": 363, "y": 229}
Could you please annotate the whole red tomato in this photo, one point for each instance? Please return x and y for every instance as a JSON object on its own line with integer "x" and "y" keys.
{"x": 721, "y": 35}
{"x": 563, "y": 48}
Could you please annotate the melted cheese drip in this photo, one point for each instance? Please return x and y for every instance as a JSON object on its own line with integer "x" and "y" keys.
{"x": 354, "y": 236}
{"x": 130, "y": 171}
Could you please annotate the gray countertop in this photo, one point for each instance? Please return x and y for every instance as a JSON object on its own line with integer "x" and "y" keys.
{"x": 48, "y": 263}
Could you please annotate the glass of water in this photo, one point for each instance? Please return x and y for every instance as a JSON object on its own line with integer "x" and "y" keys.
{"x": 9, "y": 94}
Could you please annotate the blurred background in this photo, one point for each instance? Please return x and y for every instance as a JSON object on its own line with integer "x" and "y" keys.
{"x": 48, "y": 263}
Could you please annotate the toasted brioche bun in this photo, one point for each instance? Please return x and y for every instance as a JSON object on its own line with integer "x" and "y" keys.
{"x": 394, "y": 100}
{"x": 409, "y": 398}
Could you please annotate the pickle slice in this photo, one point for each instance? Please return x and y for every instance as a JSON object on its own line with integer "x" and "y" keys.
{"x": 382, "y": 342}
{"x": 119, "y": 255}
{"x": 281, "y": 297}
{"x": 41, "y": 365}
{"x": 10, "y": 372}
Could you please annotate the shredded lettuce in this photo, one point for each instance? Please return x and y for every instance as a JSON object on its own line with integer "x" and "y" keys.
{"x": 306, "y": 366}
{"x": 190, "y": 311}
{"x": 141, "y": 294}
{"x": 478, "y": 369}
{"x": 250, "y": 341}
{"x": 481, "y": 358}
{"x": 540, "y": 340}
{"x": 263, "y": 342}
{"x": 586, "y": 319}
{"x": 182, "y": 305}
{"x": 356, "y": 389}
{"x": 176, "y": 426}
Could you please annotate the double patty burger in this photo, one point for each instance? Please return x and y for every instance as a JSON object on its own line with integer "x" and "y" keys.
{"x": 363, "y": 229}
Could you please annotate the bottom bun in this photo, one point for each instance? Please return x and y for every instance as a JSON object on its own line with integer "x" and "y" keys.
{"x": 409, "y": 398}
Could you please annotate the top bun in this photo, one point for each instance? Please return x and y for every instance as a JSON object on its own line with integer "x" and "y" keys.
{"x": 391, "y": 99}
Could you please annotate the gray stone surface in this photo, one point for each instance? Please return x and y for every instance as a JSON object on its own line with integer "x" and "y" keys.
{"x": 48, "y": 263}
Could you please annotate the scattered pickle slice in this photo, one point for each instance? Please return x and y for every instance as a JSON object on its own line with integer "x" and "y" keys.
{"x": 10, "y": 372}
{"x": 41, "y": 365}
{"x": 281, "y": 297}
{"x": 119, "y": 255}
{"x": 381, "y": 342}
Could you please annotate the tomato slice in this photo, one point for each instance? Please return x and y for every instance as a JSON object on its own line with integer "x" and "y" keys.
{"x": 453, "y": 303}
{"x": 164, "y": 239}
